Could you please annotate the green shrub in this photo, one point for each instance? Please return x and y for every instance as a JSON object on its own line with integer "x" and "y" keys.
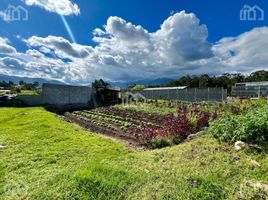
{"x": 160, "y": 142}
{"x": 250, "y": 127}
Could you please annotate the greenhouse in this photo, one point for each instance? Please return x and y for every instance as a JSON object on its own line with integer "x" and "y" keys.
{"x": 185, "y": 94}
{"x": 250, "y": 89}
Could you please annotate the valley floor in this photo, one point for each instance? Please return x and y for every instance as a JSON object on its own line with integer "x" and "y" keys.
{"x": 44, "y": 157}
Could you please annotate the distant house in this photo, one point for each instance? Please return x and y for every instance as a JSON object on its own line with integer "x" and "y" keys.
{"x": 250, "y": 89}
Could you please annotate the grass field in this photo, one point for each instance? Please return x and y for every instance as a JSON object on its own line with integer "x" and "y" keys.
{"x": 24, "y": 92}
{"x": 2, "y": 93}
{"x": 29, "y": 92}
{"x": 44, "y": 157}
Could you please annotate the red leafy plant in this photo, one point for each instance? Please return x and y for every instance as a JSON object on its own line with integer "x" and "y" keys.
{"x": 175, "y": 128}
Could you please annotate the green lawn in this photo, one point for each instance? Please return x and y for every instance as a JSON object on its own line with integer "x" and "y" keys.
{"x": 29, "y": 92}
{"x": 2, "y": 93}
{"x": 47, "y": 158}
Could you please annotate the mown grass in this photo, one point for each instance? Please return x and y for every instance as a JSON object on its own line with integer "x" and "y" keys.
{"x": 48, "y": 158}
{"x": 2, "y": 93}
{"x": 29, "y": 92}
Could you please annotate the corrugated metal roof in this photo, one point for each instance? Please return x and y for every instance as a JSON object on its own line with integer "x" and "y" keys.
{"x": 263, "y": 83}
{"x": 166, "y": 88}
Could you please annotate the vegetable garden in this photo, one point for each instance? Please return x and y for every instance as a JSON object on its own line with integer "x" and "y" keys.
{"x": 159, "y": 124}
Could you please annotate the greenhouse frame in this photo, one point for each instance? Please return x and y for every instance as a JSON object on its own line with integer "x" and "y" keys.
{"x": 250, "y": 89}
{"x": 186, "y": 94}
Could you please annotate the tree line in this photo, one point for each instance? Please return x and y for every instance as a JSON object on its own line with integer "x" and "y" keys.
{"x": 226, "y": 80}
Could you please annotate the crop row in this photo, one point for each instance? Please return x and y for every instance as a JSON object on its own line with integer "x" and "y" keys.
{"x": 155, "y": 130}
{"x": 113, "y": 121}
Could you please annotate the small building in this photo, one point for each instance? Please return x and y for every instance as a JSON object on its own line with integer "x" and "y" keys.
{"x": 250, "y": 89}
{"x": 106, "y": 96}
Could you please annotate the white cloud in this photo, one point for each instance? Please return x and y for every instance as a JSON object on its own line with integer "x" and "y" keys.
{"x": 141, "y": 54}
{"x": 246, "y": 52}
{"x": 125, "y": 51}
{"x": 62, "y": 47}
{"x": 5, "y": 48}
{"x": 182, "y": 38}
{"x": 34, "y": 53}
{"x": 61, "y": 7}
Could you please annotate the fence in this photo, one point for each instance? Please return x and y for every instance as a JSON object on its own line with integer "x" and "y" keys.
{"x": 187, "y": 95}
{"x": 250, "y": 91}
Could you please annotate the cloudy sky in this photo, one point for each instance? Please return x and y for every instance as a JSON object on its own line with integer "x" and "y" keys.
{"x": 82, "y": 40}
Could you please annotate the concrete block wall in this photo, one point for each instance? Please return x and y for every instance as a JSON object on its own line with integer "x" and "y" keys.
{"x": 65, "y": 94}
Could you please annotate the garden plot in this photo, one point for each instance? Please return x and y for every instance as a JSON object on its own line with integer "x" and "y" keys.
{"x": 146, "y": 129}
{"x": 143, "y": 126}
{"x": 115, "y": 122}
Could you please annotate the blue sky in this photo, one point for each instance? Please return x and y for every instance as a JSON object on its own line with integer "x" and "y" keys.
{"x": 221, "y": 19}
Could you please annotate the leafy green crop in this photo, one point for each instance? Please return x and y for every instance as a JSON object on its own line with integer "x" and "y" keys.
{"x": 250, "y": 127}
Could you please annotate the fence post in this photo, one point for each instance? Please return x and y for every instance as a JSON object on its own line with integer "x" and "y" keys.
{"x": 187, "y": 94}
{"x": 259, "y": 92}
{"x": 208, "y": 93}
{"x": 195, "y": 90}
{"x": 222, "y": 91}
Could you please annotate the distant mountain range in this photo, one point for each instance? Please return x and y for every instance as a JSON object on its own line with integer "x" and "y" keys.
{"x": 17, "y": 79}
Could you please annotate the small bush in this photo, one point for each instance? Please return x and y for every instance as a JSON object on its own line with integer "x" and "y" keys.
{"x": 160, "y": 142}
